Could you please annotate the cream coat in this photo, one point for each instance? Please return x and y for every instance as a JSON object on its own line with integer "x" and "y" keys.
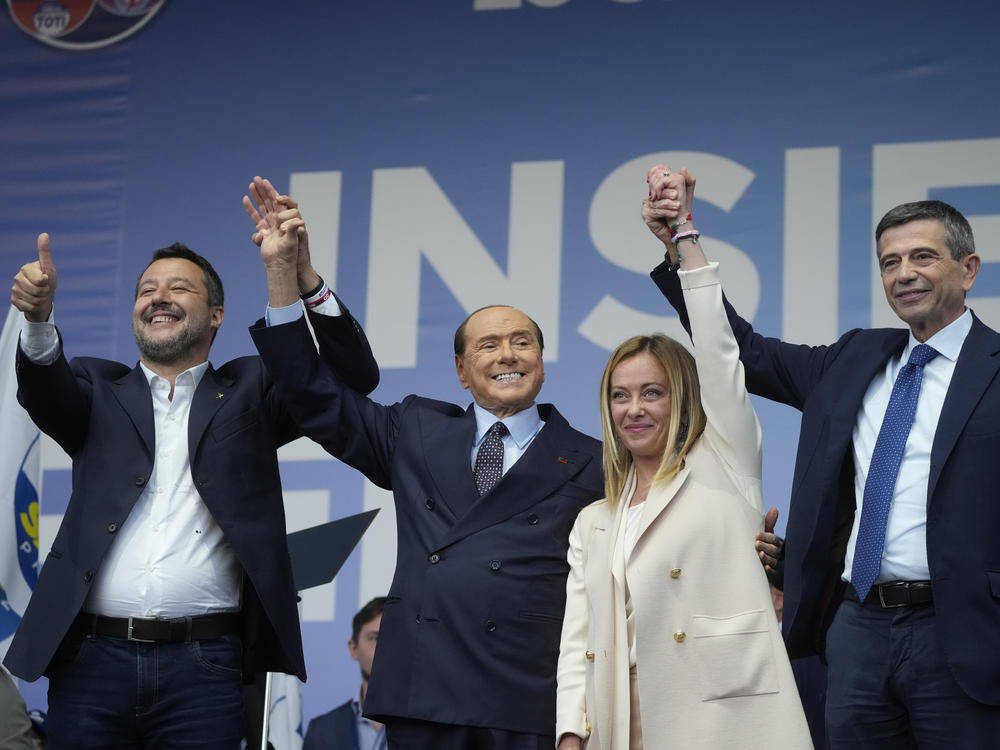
{"x": 712, "y": 667}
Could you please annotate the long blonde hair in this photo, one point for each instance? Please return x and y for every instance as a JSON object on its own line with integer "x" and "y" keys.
{"x": 687, "y": 417}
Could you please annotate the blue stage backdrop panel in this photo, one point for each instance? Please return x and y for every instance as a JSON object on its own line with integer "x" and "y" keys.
{"x": 450, "y": 155}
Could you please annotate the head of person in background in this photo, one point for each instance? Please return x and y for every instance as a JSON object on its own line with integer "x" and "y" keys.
{"x": 927, "y": 260}
{"x": 651, "y": 411}
{"x": 364, "y": 638}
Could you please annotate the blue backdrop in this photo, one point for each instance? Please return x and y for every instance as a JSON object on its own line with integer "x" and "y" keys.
{"x": 453, "y": 154}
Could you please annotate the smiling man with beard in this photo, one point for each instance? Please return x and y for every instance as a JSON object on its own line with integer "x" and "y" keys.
{"x": 485, "y": 497}
{"x": 169, "y": 578}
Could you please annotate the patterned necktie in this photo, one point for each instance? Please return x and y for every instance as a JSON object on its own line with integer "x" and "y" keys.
{"x": 881, "y": 482}
{"x": 489, "y": 459}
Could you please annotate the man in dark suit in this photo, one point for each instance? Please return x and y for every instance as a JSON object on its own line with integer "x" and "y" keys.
{"x": 914, "y": 660}
{"x": 345, "y": 727}
{"x": 470, "y": 633}
{"x": 169, "y": 577}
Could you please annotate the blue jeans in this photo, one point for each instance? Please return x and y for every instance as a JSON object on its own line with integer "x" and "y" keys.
{"x": 889, "y": 688}
{"x": 109, "y": 693}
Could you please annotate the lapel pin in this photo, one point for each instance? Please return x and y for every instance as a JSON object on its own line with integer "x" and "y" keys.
{"x": 218, "y": 396}
{"x": 562, "y": 460}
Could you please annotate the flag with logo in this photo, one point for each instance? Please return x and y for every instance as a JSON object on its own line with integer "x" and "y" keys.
{"x": 20, "y": 488}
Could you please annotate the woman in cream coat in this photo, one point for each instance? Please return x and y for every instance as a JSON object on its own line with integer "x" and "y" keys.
{"x": 669, "y": 622}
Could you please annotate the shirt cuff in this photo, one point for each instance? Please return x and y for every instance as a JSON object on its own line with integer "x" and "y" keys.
{"x": 276, "y": 316}
{"x": 40, "y": 342}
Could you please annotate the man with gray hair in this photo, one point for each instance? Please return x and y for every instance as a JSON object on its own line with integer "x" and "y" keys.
{"x": 890, "y": 556}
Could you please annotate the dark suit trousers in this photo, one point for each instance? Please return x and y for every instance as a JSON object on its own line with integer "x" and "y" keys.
{"x": 889, "y": 688}
{"x": 410, "y": 734}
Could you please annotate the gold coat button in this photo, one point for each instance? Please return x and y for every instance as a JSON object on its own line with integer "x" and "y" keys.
{"x": 589, "y": 655}
{"x": 586, "y": 725}
{"x": 675, "y": 573}
{"x": 679, "y": 636}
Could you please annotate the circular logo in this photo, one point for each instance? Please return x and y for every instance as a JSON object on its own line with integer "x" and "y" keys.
{"x": 82, "y": 24}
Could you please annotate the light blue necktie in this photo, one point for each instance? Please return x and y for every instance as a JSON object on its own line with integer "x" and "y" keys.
{"x": 881, "y": 482}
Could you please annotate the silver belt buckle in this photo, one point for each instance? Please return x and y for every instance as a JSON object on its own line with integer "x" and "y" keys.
{"x": 133, "y": 638}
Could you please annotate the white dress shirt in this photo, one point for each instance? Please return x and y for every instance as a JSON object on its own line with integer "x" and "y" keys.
{"x": 170, "y": 558}
{"x": 522, "y": 428}
{"x": 904, "y": 555}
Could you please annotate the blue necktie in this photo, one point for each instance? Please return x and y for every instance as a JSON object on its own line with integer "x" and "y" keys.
{"x": 881, "y": 482}
{"x": 489, "y": 460}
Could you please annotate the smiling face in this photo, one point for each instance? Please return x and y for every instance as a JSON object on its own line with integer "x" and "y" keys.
{"x": 924, "y": 285}
{"x": 640, "y": 407}
{"x": 502, "y": 362}
{"x": 172, "y": 320}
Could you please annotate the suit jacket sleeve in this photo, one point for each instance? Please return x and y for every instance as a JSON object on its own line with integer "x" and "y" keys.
{"x": 774, "y": 369}
{"x": 345, "y": 348}
{"x": 58, "y": 395}
{"x": 571, "y": 676}
{"x": 348, "y": 425}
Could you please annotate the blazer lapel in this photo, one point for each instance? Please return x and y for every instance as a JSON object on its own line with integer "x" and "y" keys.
{"x": 659, "y": 498}
{"x": 975, "y": 369}
{"x": 546, "y": 466}
{"x": 616, "y": 556}
{"x": 132, "y": 392}
{"x": 209, "y": 396}
{"x": 448, "y": 452}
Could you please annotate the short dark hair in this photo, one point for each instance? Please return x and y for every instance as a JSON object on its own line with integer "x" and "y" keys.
{"x": 460, "y": 331}
{"x": 213, "y": 284}
{"x": 957, "y": 232}
{"x": 365, "y": 615}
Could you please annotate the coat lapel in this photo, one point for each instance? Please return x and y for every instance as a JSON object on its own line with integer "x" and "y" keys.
{"x": 210, "y": 395}
{"x": 546, "y": 466}
{"x": 659, "y": 498}
{"x": 132, "y": 392}
{"x": 448, "y": 452}
{"x": 975, "y": 369}
{"x": 616, "y": 556}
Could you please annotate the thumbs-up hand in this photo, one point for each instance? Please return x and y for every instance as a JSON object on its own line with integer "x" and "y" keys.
{"x": 770, "y": 549}
{"x": 35, "y": 284}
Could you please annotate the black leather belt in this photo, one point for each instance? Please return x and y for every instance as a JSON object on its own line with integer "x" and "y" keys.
{"x": 144, "y": 630}
{"x": 895, "y": 594}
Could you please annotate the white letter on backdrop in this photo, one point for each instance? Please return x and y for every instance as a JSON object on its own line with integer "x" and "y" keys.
{"x": 619, "y": 234}
{"x": 412, "y": 218}
{"x": 318, "y": 194}
{"x": 812, "y": 245}
{"x": 904, "y": 172}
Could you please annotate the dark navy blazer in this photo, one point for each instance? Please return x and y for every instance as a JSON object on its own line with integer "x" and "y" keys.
{"x": 101, "y": 413}
{"x": 827, "y": 384}
{"x": 471, "y": 627}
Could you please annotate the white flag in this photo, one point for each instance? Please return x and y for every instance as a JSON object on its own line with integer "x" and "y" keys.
{"x": 285, "y": 730}
{"x": 20, "y": 489}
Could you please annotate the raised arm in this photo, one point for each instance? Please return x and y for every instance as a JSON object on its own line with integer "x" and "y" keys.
{"x": 281, "y": 234}
{"x": 55, "y": 395}
{"x": 732, "y": 419}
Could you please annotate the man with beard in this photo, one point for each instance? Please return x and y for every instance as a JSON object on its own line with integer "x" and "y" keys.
{"x": 169, "y": 578}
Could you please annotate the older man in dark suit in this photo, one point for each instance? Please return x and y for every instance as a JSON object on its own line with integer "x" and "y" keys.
{"x": 891, "y": 561}
{"x": 485, "y": 498}
{"x": 169, "y": 578}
